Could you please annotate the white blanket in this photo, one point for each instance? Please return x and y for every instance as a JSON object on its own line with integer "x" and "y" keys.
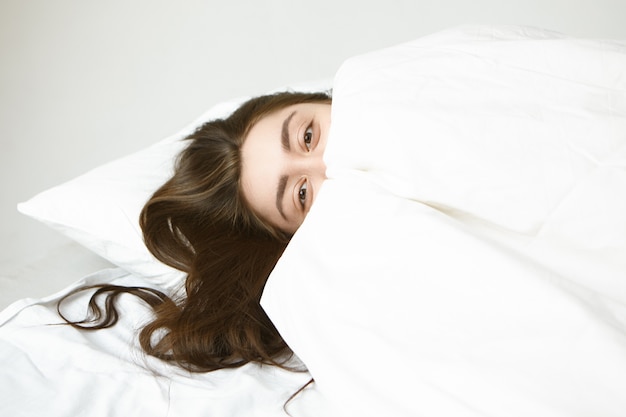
{"x": 467, "y": 256}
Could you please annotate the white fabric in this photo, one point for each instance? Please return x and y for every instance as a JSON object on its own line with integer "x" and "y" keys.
{"x": 100, "y": 209}
{"x": 467, "y": 256}
{"x": 57, "y": 371}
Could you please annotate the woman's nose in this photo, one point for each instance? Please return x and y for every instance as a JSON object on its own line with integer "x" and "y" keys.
{"x": 318, "y": 167}
{"x": 309, "y": 165}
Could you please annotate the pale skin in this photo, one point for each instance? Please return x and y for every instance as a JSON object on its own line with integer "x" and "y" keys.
{"x": 282, "y": 163}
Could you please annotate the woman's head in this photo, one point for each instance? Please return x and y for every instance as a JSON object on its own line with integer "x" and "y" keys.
{"x": 211, "y": 220}
{"x": 228, "y": 178}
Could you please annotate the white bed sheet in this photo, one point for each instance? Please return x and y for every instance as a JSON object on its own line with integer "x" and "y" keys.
{"x": 58, "y": 371}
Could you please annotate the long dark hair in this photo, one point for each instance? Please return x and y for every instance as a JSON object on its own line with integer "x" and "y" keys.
{"x": 198, "y": 222}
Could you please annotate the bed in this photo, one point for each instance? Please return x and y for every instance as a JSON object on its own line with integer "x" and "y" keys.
{"x": 466, "y": 256}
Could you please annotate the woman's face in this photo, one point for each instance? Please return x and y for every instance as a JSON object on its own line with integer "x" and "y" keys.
{"x": 282, "y": 165}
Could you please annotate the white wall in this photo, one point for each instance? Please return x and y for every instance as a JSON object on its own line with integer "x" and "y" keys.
{"x": 85, "y": 81}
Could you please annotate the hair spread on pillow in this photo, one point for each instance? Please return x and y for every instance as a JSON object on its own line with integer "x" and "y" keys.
{"x": 198, "y": 222}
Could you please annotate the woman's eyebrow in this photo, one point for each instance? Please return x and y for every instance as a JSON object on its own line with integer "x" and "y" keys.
{"x": 280, "y": 194}
{"x": 284, "y": 134}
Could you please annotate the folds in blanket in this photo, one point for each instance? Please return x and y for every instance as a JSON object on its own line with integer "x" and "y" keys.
{"x": 483, "y": 122}
{"x": 389, "y": 300}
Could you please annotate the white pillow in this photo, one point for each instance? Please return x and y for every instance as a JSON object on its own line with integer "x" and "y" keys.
{"x": 100, "y": 209}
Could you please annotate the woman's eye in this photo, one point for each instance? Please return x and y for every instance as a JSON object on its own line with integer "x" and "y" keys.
{"x": 308, "y": 136}
{"x": 302, "y": 194}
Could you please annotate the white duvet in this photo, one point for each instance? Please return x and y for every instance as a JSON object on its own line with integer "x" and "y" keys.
{"x": 467, "y": 256}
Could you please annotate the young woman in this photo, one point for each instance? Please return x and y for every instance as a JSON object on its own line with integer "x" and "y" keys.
{"x": 239, "y": 191}
{"x": 473, "y": 226}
